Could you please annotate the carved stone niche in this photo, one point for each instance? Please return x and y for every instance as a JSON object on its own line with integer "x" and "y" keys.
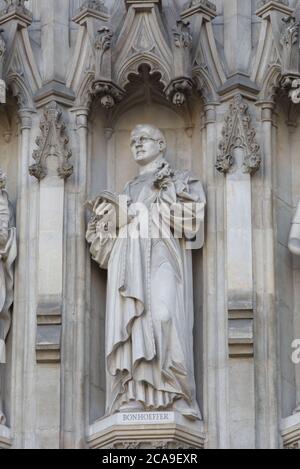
{"x": 111, "y": 166}
{"x": 146, "y": 430}
{"x": 118, "y": 57}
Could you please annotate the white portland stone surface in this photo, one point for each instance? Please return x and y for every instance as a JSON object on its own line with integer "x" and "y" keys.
{"x": 5, "y": 437}
{"x": 147, "y": 429}
{"x": 149, "y": 310}
{"x": 221, "y": 79}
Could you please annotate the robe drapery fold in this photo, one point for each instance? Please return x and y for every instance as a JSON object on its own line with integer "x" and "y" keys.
{"x": 149, "y": 315}
{"x": 8, "y": 253}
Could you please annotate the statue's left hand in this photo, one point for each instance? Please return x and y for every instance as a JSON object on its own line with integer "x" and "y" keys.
{"x": 3, "y": 237}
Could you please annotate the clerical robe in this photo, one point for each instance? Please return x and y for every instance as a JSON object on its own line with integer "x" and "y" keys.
{"x": 149, "y": 312}
{"x": 8, "y": 252}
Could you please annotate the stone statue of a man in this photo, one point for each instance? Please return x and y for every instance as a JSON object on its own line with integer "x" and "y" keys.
{"x": 8, "y": 251}
{"x": 149, "y": 315}
{"x": 294, "y": 241}
{"x": 294, "y": 247}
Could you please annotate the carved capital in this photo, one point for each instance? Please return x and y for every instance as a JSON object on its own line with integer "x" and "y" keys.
{"x": 52, "y": 141}
{"x": 82, "y": 118}
{"x": 210, "y": 114}
{"x": 238, "y": 133}
{"x": 267, "y": 110}
{"x": 25, "y": 117}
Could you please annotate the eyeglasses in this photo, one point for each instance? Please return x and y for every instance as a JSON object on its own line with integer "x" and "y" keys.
{"x": 142, "y": 140}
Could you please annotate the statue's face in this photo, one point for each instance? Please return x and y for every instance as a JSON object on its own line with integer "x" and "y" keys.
{"x": 145, "y": 146}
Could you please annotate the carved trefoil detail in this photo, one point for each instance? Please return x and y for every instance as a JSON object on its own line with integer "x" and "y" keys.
{"x": 238, "y": 133}
{"x": 52, "y": 141}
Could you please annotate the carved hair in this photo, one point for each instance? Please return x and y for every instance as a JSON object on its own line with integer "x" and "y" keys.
{"x": 152, "y": 130}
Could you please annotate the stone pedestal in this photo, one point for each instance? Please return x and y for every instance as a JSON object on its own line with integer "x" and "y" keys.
{"x": 146, "y": 430}
{"x": 5, "y": 437}
{"x": 290, "y": 431}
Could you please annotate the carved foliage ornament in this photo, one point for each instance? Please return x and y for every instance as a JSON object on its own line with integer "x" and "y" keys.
{"x": 262, "y": 3}
{"x": 97, "y": 5}
{"x": 293, "y": 85}
{"x": 290, "y": 58}
{"x": 205, "y": 3}
{"x": 2, "y": 46}
{"x": 291, "y": 32}
{"x": 103, "y": 40}
{"x": 103, "y": 87}
{"x": 17, "y": 6}
{"x": 180, "y": 88}
{"x": 53, "y": 141}
{"x": 237, "y": 133}
{"x": 156, "y": 444}
{"x": 102, "y": 45}
{"x": 182, "y": 36}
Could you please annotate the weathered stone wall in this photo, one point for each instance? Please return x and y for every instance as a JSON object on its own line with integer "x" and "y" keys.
{"x": 225, "y": 91}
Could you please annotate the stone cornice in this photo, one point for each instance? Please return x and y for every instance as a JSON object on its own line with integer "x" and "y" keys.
{"x": 265, "y": 7}
{"x": 202, "y": 7}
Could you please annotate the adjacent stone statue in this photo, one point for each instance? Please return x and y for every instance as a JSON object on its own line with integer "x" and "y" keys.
{"x": 8, "y": 251}
{"x": 149, "y": 314}
{"x": 294, "y": 241}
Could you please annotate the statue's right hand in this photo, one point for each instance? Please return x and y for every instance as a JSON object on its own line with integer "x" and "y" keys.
{"x": 103, "y": 209}
{"x": 92, "y": 226}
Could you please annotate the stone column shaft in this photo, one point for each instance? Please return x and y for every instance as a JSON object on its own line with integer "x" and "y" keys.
{"x": 266, "y": 322}
{"x": 75, "y": 414}
{"x": 24, "y": 317}
{"x": 215, "y": 317}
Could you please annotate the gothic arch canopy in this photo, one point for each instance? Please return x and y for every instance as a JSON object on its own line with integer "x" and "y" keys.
{"x": 145, "y": 37}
